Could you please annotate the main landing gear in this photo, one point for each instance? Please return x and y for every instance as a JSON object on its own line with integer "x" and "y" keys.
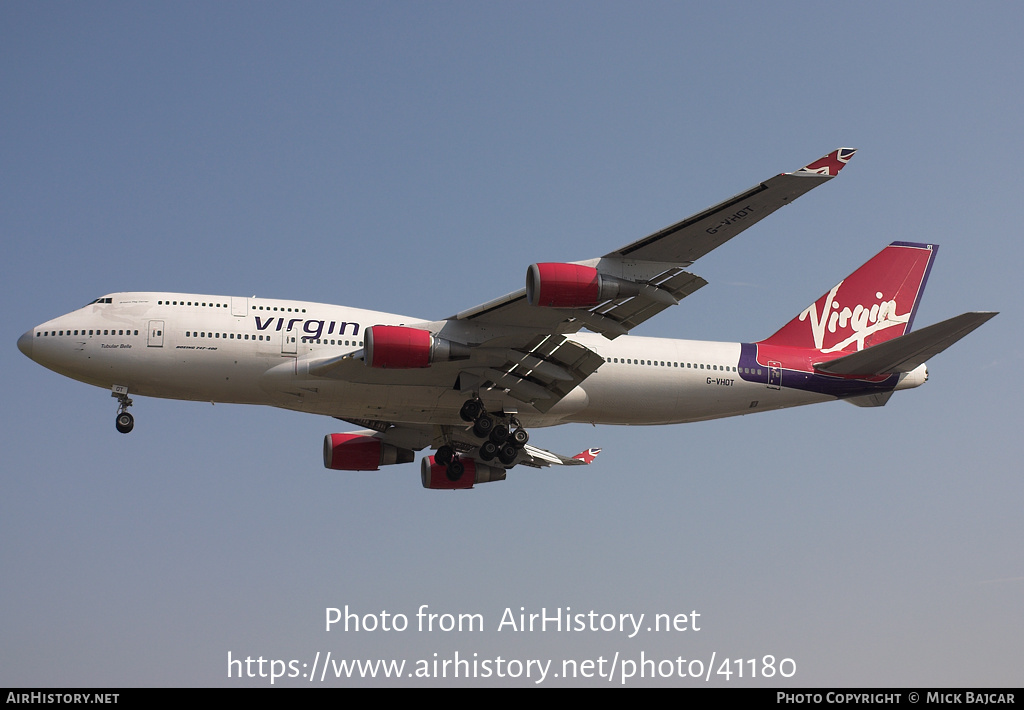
{"x": 449, "y": 458}
{"x": 124, "y": 422}
{"x": 504, "y": 437}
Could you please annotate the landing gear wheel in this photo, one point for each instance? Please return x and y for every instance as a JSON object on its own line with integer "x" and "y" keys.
{"x": 125, "y": 422}
{"x": 499, "y": 433}
{"x": 455, "y": 470}
{"x": 483, "y": 427}
{"x": 520, "y": 437}
{"x": 445, "y": 455}
{"x": 507, "y": 454}
{"x": 471, "y": 410}
{"x": 488, "y": 450}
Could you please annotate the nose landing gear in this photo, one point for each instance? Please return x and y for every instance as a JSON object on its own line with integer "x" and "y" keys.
{"x": 124, "y": 422}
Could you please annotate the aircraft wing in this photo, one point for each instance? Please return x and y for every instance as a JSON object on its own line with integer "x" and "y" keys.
{"x": 686, "y": 241}
{"x": 540, "y": 371}
{"x": 421, "y": 436}
{"x": 535, "y": 368}
{"x": 540, "y": 458}
{"x": 654, "y": 268}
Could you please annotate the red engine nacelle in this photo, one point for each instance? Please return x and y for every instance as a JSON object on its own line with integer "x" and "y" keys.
{"x": 573, "y": 286}
{"x": 398, "y": 347}
{"x": 434, "y": 475}
{"x": 357, "y": 452}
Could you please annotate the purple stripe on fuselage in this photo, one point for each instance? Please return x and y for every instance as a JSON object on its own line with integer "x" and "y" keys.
{"x": 831, "y": 385}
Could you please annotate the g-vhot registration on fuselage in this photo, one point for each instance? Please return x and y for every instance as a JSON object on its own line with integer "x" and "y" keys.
{"x": 470, "y": 386}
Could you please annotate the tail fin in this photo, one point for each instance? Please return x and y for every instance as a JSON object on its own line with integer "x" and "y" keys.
{"x": 875, "y": 303}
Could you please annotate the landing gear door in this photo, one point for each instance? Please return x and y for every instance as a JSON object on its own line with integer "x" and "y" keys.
{"x": 155, "y": 338}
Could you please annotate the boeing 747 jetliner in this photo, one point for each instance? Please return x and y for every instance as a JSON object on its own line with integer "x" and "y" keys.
{"x": 470, "y": 386}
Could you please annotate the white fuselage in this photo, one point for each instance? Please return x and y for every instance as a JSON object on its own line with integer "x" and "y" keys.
{"x": 252, "y": 351}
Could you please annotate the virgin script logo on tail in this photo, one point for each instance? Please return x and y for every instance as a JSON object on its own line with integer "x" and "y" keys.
{"x": 850, "y": 325}
{"x": 874, "y": 304}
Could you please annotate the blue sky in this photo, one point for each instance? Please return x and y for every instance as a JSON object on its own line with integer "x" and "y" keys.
{"x": 416, "y": 158}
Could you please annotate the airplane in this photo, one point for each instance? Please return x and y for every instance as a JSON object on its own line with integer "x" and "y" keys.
{"x": 471, "y": 386}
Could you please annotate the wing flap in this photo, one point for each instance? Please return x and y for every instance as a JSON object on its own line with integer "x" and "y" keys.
{"x": 631, "y": 312}
{"x": 541, "y": 373}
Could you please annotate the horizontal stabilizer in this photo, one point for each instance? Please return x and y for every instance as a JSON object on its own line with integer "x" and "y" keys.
{"x": 906, "y": 352}
{"x": 878, "y": 399}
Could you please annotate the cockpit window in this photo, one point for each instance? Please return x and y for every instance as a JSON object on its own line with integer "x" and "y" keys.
{"x": 100, "y": 300}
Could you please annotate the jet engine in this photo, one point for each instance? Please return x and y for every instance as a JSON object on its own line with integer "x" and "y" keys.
{"x": 398, "y": 347}
{"x": 434, "y": 475}
{"x": 357, "y": 452}
{"x": 573, "y": 286}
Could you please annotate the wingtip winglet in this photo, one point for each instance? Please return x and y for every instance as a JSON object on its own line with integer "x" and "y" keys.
{"x": 587, "y": 456}
{"x": 830, "y": 164}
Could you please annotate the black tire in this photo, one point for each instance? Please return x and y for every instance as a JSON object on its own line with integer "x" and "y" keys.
{"x": 455, "y": 470}
{"x": 520, "y": 437}
{"x": 444, "y": 455}
{"x": 124, "y": 422}
{"x": 471, "y": 410}
{"x": 488, "y": 450}
{"x": 483, "y": 427}
{"x": 507, "y": 454}
{"x": 499, "y": 433}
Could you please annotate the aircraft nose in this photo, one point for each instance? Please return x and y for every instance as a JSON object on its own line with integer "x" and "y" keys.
{"x": 25, "y": 343}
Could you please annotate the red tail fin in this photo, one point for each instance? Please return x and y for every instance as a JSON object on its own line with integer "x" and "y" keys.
{"x": 875, "y": 303}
